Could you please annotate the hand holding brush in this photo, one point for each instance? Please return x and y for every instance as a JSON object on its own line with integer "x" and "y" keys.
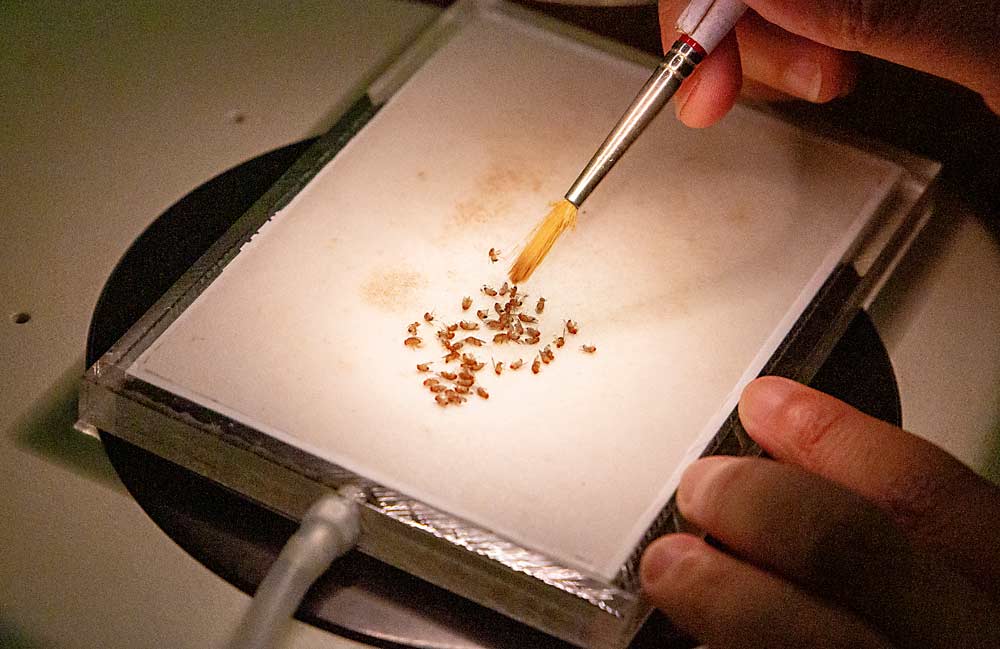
{"x": 702, "y": 25}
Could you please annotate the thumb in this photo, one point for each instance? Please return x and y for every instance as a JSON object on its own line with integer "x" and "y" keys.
{"x": 934, "y": 497}
{"x": 952, "y": 39}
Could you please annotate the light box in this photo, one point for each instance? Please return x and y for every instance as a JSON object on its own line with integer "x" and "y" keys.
{"x": 276, "y": 366}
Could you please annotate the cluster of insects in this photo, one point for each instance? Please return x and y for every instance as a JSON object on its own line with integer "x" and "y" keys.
{"x": 511, "y": 319}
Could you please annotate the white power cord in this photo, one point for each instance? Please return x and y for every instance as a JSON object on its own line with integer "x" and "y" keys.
{"x": 328, "y": 531}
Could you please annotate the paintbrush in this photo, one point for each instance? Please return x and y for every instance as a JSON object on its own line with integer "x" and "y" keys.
{"x": 702, "y": 25}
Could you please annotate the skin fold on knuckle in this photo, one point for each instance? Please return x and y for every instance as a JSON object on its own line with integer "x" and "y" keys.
{"x": 861, "y": 23}
{"x": 918, "y": 500}
{"x": 854, "y": 25}
{"x": 956, "y": 41}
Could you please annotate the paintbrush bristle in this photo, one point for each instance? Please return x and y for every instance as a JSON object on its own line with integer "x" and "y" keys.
{"x": 561, "y": 217}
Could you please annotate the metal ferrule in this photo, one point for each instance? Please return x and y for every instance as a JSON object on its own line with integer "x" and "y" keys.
{"x": 661, "y": 86}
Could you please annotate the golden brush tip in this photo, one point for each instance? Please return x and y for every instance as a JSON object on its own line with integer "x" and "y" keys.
{"x": 561, "y": 217}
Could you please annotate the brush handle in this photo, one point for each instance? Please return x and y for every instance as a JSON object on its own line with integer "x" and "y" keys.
{"x": 704, "y": 23}
{"x": 708, "y": 21}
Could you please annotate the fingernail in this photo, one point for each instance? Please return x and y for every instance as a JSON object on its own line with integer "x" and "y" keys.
{"x": 803, "y": 78}
{"x": 763, "y": 399}
{"x": 695, "y": 492}
{"x": 662, "y": 554}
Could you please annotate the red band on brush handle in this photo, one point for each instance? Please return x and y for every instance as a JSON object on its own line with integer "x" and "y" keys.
{"x": 687, "y": 40}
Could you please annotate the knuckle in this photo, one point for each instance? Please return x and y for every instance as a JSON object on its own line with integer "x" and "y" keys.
{"x": 916, "y": 499}
{"x": 862, "y": 22}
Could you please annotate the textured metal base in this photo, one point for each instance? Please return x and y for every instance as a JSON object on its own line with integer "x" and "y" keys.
{"x": 360, "y": 597}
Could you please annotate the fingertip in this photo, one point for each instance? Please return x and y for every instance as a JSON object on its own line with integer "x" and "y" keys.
{"x": 789, "y": 420}
{"x": 710, "y": 92}
{"x": 762, "y": 401}
{"x": 660, "y": 558}
{"x": 701, "y": 485}
{"x": 781, "y": 414}
{"x": 838, "y": 74}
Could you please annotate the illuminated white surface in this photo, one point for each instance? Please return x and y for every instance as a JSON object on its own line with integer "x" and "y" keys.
{"x": 685, "y": 290}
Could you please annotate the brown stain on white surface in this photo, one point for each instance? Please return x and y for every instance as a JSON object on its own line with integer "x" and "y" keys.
{"x": 494, "y": 191}
{"x": 392, "y": 289}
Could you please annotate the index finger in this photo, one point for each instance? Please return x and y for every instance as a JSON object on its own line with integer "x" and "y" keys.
{"x": 930, "y": 494}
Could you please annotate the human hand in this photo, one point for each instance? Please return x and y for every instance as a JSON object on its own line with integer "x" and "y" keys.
{"x": 859, "y": 535}
{"x": 803, "y": 49}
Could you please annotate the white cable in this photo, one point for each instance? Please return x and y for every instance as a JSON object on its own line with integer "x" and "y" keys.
{"x": 328, "y": 531}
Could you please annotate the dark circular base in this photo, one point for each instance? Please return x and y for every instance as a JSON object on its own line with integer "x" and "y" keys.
{"x": 359, "y": 597}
